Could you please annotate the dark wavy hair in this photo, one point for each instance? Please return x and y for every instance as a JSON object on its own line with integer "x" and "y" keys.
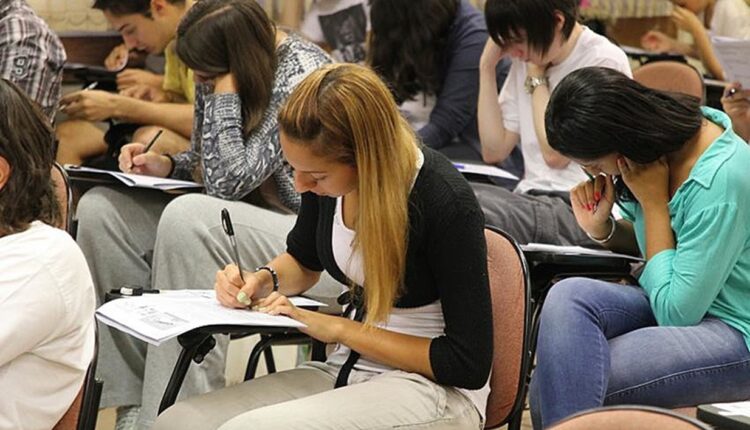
{"x": 26, "y": 143}
{"x": 128, "y": 7}
{"x": 232, "y": 36}
{"x": 408, "y": 43}
{"x": 506, "y": 19}
{"x": 597, "y": 111}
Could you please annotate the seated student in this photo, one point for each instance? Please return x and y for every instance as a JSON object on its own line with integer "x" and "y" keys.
{"x": 31, "y": 55}
{"x": 149, "y": 26}
{"x": 728, "y": 18}
{"x": 681, "y": 337}
{"x": 433, "y": 72}
{"x": 546, "y": 44}
{"x": 235, "y": 155}
{"x": 46, "y": 292}
{"x": 397, "y": 223}
{"x": 736, "y": 103}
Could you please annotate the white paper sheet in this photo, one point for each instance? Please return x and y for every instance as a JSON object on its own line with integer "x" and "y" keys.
{"x": 733, "y": 54}
{"x": 155, "y": 318}
{"x": 484, "y": 169}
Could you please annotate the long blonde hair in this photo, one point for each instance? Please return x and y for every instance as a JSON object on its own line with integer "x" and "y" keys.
{"x": 346, "y": 113}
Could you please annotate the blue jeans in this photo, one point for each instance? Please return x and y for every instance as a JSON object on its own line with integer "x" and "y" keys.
{"x": 599, "y": 344}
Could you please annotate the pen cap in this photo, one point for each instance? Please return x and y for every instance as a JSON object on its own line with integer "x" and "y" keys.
{"x": 226, "y": 222}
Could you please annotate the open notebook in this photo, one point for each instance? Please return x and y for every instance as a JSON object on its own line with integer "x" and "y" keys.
{"x": 131, "y": 180}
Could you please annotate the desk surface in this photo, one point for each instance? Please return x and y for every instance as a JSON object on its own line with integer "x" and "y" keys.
{"x": 726, "y": 416}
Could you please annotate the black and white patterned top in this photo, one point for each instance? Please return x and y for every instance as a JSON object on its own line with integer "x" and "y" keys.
{"x": 31, "y": 54}
{"x": 229, "y": 165}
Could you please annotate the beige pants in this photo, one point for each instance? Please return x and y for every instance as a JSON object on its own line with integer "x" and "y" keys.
{"x": 304, "y": 398}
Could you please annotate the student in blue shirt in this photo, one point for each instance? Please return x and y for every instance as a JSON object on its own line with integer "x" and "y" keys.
{"x": 678, "y": 172}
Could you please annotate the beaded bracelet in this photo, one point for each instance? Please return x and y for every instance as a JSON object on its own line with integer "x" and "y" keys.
{"x": 274, "y": 276}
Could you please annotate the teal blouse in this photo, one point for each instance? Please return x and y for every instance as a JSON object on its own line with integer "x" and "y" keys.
{"x": 708, "y": 273}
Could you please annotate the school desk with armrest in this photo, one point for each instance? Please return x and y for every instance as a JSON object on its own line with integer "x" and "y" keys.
{"x": 511, "y": 315}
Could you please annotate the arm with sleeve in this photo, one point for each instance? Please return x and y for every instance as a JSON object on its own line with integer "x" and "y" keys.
{"x": 682, "y": 283}
{"x": 462, "y": 357}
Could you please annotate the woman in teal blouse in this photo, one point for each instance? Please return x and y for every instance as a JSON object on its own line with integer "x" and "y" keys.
{"x": 679, "y": 174}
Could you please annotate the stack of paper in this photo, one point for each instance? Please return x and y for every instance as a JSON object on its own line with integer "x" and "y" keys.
{"x": 155, "y": 318}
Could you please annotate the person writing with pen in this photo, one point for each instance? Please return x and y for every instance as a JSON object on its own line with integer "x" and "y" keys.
{"x": 245, "y": 69}
{"x": 678, "y": 172}
{"x": 398, "y": 225}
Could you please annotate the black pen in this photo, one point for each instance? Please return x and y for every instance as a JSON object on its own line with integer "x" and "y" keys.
{"x": 226, "y": 222}
{"x": 150, "y": 144}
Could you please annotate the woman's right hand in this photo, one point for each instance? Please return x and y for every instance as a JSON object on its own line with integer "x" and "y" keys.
{"x": 491, "y": 55}
{"x": 134, "y": 159}
{"x": 229, "y": 284}
{"x": 592, "y": 203}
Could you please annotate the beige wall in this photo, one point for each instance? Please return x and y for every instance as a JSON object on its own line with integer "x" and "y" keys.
{"x": 66, "y": 15}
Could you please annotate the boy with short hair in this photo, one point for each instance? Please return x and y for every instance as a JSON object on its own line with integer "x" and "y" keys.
{"x": 546, "y": 43}
{"x": 151, "y": 26}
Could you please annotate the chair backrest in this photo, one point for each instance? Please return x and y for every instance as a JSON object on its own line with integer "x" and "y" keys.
{"x": 64, "y": 195}
{"x": 511, "y": 316}
{"x": 671, "y": 76}
{"x": 82, "y": 413}
{"x": 630, "y": 418}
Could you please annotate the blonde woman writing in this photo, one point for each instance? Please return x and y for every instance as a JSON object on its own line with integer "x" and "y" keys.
{"x": 380, "y": 212}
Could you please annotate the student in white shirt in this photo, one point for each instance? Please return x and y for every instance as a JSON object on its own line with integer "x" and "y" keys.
{"x": 727, "y": 18}
{"x": 46, "y": 291}
{"x": 546, "y": 43}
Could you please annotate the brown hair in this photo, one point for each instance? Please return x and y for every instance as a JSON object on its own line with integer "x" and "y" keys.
{"x": 26, "y": 143}
{"x": 232, "y": 36}
{"x": 346, "y": 113}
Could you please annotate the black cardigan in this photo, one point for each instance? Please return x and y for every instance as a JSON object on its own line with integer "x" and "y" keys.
{"x": 446, "y": 259}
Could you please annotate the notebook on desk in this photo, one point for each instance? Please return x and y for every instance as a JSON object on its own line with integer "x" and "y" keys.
{"x": 129, "y": 179}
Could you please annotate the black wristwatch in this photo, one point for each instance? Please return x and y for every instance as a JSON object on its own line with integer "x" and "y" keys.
{"x": 274, "y": 276}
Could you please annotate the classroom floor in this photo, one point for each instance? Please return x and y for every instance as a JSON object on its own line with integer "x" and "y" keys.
{"x": 239, "y": 350}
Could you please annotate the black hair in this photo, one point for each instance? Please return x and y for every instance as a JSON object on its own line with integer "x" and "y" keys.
{"x": 597, "y": 111}
{"x": 408, "y": 43}
{"x": 232, "y": 36}
{"x": 128, "y": 7}
{"x": 26, "y": 143}
{"x": 507, "y": 19}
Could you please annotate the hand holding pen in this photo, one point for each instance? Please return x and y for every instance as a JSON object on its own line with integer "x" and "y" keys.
{"x": 149, "y": 145}
{"x": 88, "y": 87}
{"x": 592, "y": 201}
